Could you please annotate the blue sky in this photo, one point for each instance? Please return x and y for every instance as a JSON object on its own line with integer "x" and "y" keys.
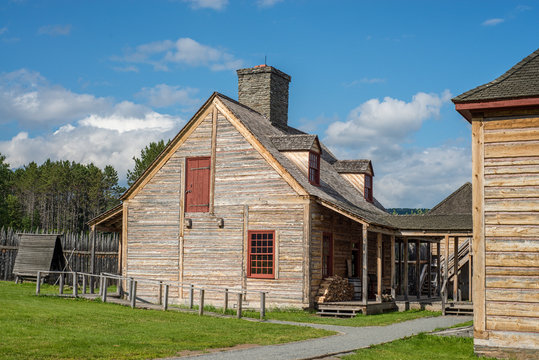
{"x": 95, "y": 81}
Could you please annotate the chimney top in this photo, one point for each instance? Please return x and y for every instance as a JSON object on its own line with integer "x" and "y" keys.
{"x": 265, "y": 89}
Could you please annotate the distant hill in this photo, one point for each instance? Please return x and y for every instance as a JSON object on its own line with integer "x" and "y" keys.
{"x": 407, "y": 211}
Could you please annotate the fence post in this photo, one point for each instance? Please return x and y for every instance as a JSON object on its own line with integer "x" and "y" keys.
{"x": 38, "y": 283}
{"x": 92, "y": 284}
{"x": 134, "y": 294}
{"x": 160, "y": 294}
{"x": 225, "y": 305}
{"x": 61, "y": 289}
{"x": 104, "y": 292}
{"x": 120, "y": 287}
{"x": 262, "y": 305}
{"x": 240, "y": 298}
{"x": 75, "y": 284}
{"x": 201, "y": 305}
{"x": 100, "y": 285}
{"x": 84, "y": 284}
{"x": 191, "y": 290}
{"x": 130, "y": 288}
{"x": 165, "y": 300}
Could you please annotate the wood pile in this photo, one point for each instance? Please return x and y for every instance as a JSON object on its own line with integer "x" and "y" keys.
{"x": 335, "y": 288}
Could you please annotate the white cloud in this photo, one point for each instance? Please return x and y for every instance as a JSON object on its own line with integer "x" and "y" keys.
{"x": 208, "y": 4}
{"x": 388, "y": 121}
{"x": 3, "y": 30}
{"x": 55, "y": 30}
{"x": 92, "y": 130}
{"x": 129, "y": 68}
{"x": 405, "y": 177}
{"x": 268, "y": 3}
{"x": 492, "y": 22}
{"x": 26, "y": 97}
{"x": 163, "y": 95}
{"x": 185, "y": 51}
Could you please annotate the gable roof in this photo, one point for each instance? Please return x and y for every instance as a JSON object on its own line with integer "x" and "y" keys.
{"x": 353, "y": 167}
{"x": 521, "y": 81}
{"x": 38, "y": 252}
{"x": 298, "y": 142}
{"x": 459, "y": 202}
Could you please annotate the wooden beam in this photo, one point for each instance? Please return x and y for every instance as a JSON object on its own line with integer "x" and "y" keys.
{"x": 418, "y": 268}
{"x": 429, "y": 273}
{"x": 125, "y": 242}
{"x": 244, "y": 246}
{"x": 181, "y": 239}
{"x": 392, "y": 281}
{"x": 446, "y": 260}
{"x": 437, "y": 235}
{"x": 364, "y": 270}
{"x": 438, "y": 269}
{"x": 379, "y": 267}
{"x": 405, "y": 259}
{"x": 455, "y": 268}
{"x": 213, "y": 159}
{"x": 307, "y": 254}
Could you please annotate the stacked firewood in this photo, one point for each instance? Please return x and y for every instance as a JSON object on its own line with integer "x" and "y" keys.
{"x": 335, "y": 288}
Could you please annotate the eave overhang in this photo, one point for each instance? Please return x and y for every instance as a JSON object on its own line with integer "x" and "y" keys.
{"x": 466, "y": 109}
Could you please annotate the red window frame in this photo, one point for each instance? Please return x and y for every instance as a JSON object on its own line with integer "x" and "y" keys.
{"x": 314, "y": 168}
{"x": 261, "y": 254}
{"x": 368, "y": 188}
{"x": 197, "y": 184}
{"x": 327, "y": 254}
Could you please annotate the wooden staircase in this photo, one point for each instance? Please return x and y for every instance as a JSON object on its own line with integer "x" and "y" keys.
{"x": 459, "y": 308}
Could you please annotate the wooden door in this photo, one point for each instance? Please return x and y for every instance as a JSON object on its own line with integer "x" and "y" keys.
{"x": 327, "y": 255}
{"x": 197, "y": 184}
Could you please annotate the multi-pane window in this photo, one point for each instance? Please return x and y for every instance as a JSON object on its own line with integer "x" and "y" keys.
{"x": 314, "y": 168}
{"x": 261, "y": 261}
{"x": 197, "y": 184}
{"x": 368, "y": 187}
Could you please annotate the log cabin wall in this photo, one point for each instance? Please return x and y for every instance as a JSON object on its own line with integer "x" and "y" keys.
{"x": 248, "y": 195}
{"x": 506, "y": 232}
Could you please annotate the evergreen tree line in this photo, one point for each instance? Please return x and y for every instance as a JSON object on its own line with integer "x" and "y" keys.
{"x": 56, "y": 195}
{"x": 63, "y": 195}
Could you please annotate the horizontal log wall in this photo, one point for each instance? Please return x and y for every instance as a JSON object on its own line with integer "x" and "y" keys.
{"x": 248, "y": 195}
{"x": 511, "y": 232}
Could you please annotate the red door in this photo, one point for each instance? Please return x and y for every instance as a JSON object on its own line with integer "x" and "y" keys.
{"x": 197, "y": 185}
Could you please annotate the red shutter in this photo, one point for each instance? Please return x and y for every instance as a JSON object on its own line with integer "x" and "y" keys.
{"x": 197, "y": 185}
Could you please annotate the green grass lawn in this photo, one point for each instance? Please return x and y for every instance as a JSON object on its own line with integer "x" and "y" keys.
{"x": 44, "y": 327}
{"x": 422, "y": 346}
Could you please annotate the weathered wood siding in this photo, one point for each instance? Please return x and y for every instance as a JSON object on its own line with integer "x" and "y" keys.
{"x": 509, "y": 307}
{"x": 248, "y": 194}
{"x": 357, "y": 181}
{"x": 300, "y": 159}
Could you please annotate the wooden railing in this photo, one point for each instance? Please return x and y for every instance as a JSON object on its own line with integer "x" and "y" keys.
{"x": 163, "y": 290}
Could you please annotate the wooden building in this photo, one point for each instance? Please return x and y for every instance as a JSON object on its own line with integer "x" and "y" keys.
{"x": 504, "y": 115}
{"x": 240, "y": 199}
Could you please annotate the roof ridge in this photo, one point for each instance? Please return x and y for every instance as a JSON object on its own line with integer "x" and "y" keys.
{"x": 452, "y": 195}
{"x": 499, "y": 79}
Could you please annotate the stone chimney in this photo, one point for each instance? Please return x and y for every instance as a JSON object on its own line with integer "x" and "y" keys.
{"x": 265, "y": 89}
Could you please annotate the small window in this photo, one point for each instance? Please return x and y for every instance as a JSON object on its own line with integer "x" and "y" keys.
{"x": 261, "y": 261}
{"x": 314, "y": 168}
{"x": 368, "y": 188}
{"x": 197, "y": 185}
{"x": 327, "y": 254}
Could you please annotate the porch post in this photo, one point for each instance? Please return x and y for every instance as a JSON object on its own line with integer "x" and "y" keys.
{"x": 438, "y": 269}
{"x": 392, "y": 281}
{"x": 418, "y": 267}
{"x": 379, "y": 267}
{"x": 92, "y": 257}
{"x": 446, "y": 260}
{"x": 456, "y": 268}
{"x": 364, "y": 280}
{"x": 429, "y": 274}
{"x": 405, "y": 259}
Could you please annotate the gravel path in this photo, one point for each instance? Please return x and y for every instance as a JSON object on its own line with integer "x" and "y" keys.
{"x": 348, "y": 339}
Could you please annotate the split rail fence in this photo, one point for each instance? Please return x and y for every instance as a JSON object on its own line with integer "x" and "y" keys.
{"x": 77, "y": 248}
{"x": 104, "y": 279}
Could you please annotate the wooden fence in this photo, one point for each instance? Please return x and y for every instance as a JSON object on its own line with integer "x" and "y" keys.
{"x": 77, "y": 252}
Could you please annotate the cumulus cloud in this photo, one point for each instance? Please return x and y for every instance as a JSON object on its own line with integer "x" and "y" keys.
{"x": 107, "y": 134}
{"x": 161, "y": 54}
{"x": 492, "y": 22}
{"x": 390, "y": 120}
{"x": 208, "y": 4}
{"x": 55, "y": 30}
{"x": 405, "y": 177}
{"x": 163, "y": 95}
{"x": 27, "y": 97}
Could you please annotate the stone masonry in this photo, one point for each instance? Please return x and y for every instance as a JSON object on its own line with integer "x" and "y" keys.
{"x": 265, "y": 89}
